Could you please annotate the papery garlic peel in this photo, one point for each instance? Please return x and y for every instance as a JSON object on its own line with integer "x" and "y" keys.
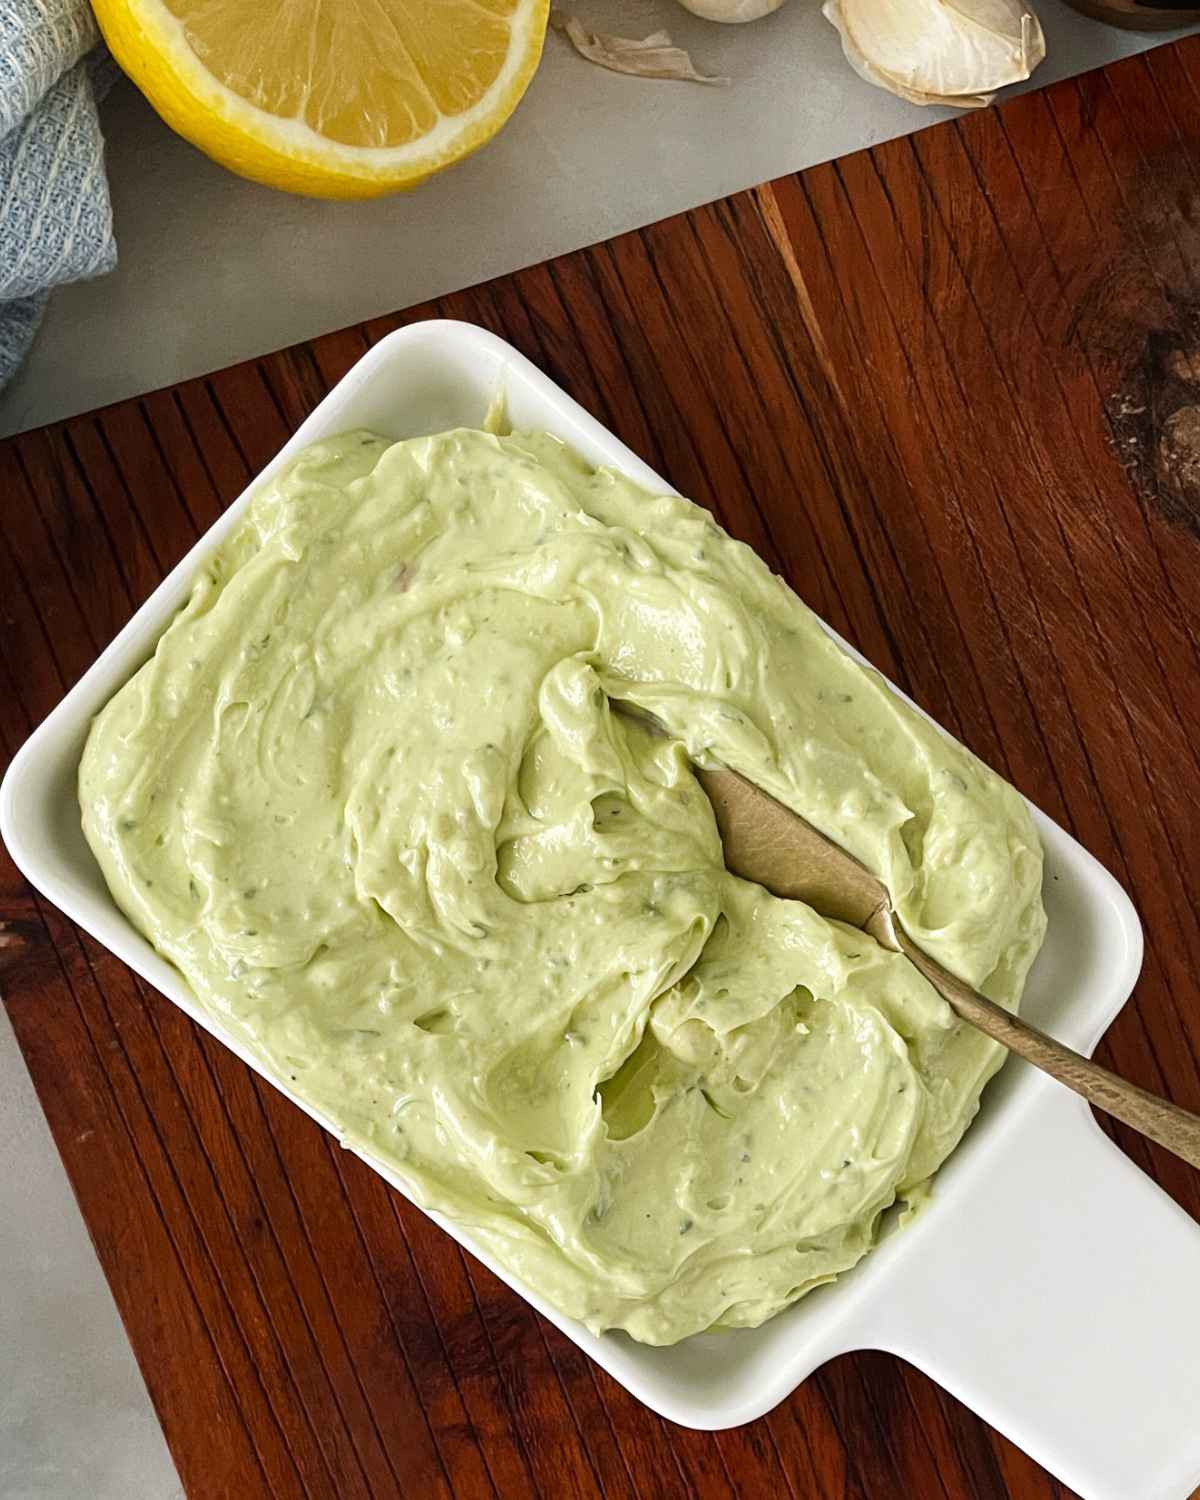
{"x": 954, "y": 52}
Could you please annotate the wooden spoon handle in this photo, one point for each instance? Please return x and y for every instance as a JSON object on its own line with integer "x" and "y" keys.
{"x": 1176, "y": 1129}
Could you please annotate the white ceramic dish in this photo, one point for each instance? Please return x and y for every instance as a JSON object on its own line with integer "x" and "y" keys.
{"x": 1050, "y": 1284}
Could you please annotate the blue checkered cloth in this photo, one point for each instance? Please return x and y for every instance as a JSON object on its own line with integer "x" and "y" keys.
{"x": 55, "y": 214}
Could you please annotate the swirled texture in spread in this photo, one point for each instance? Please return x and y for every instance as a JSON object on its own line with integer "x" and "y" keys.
{"x": 370, "y": 796}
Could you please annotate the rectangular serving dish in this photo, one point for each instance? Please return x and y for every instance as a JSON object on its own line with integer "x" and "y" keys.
{"x": 1049, "y": 1284}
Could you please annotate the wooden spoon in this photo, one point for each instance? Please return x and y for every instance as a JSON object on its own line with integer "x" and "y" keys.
{"x": 771, "y": 845}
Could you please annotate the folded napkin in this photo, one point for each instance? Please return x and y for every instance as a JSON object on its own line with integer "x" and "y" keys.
{"x": 55, "y": 215}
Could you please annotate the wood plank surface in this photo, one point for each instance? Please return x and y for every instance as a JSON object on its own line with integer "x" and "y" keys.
{"x": 950, "y": 387}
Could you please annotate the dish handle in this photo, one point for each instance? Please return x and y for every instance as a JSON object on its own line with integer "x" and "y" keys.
{"x": 1063, "y": 1306}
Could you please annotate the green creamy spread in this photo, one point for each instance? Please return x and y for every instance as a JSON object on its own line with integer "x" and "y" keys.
{"x": 371, "y": 798}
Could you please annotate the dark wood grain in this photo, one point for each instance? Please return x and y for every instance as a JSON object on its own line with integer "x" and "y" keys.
{"x": 951, "y": 388}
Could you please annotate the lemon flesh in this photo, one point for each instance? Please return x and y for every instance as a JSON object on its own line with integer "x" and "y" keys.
{"x": 346, "y": 98}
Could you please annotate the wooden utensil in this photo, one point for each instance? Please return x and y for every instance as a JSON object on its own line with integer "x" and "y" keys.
{"x": 769, "y": 844}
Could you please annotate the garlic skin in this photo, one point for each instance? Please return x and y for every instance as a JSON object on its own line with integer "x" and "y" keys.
{"x": 654, "y": 56}
{"x": 731, "y": 10}
{"x": 955, "y": 52}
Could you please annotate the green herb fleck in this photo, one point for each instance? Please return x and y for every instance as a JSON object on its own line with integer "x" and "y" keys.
{"x": 714, "y": 1106}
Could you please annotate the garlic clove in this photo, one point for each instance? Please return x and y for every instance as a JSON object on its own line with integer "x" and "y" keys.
{"x": 731, "y": 10}
{"x": 955, "y": 52}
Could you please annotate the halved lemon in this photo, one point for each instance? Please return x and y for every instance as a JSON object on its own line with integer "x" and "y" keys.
{"x": 337, "y": 98}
